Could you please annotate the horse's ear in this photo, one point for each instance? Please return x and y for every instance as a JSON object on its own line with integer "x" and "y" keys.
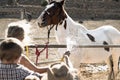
{"x": 62, "y": 2}
{"x": 49, "y": 1}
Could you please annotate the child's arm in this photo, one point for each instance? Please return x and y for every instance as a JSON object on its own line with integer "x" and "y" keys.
{"x": 30, "y": 65}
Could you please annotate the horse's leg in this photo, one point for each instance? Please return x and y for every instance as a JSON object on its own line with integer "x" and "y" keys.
{"x": 115, "y": 65}
{"x": 110, "y": 66}
{"x": 115, "y": 59}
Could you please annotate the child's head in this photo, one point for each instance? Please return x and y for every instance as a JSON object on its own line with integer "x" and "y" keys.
{"x": 16, "y": 32}
{"x": 10, "y": 49}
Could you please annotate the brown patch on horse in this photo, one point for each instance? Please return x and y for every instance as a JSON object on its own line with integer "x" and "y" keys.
{"x": 59, "y": 14}
{"x": 59, "y": 17}
{"x": 106, "y": 48}
{"x": 55, "y": 15}
{"x": 91, "y": 37}
{"x": 56, "y": 27}
{"x": 65, "y": 24}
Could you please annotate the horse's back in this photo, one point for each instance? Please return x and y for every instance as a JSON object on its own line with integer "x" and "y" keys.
{"x": 106, "y": 33}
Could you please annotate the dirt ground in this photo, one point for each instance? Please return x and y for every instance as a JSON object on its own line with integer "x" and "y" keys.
{"x": 38, "y": 36}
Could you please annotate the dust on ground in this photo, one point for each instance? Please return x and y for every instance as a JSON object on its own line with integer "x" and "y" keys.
{"x": 39, "y": 36}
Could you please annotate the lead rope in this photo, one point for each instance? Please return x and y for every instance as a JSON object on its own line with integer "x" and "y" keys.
{"x": 46, "y": 47}
{"x": 27, "y": 51}
{"x": 39, "y": 52}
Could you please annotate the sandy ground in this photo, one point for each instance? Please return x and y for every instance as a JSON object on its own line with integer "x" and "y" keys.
{"x": 38, "y": 36}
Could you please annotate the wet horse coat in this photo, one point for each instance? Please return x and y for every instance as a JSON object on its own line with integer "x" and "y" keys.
{"x": 72, "y": 33}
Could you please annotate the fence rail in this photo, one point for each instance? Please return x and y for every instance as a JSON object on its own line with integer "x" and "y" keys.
{"x": 65, "y": 46}
{"x": 76, "y": 46}
{"x": 21, "y": 10}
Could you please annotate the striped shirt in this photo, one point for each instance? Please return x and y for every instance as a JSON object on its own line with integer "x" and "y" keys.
{"x": 15, "y": 72}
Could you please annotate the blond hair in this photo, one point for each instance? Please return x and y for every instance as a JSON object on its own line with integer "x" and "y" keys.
{"x": 16, "y": 32}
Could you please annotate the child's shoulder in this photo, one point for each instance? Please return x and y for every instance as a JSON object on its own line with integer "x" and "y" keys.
{"x": 27, "y": 71}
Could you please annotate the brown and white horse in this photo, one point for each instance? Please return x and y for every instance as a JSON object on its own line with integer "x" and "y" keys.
{"x": 70, "y": 32}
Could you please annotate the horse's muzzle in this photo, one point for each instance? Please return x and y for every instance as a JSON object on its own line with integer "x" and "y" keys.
{"x": 39, "y": 25}
{"x": 42, "y": 25}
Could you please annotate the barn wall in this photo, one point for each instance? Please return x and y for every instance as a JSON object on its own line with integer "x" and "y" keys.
{"x": 77, "y": 9}
{"x": 94, "y": 9}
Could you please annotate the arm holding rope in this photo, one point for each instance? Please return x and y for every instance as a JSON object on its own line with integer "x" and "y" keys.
{"x": 26, "y": 62}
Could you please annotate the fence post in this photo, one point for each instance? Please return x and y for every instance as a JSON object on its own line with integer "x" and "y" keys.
{"x": 22, "y": 12}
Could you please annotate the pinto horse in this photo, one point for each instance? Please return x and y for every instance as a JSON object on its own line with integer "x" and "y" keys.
{"x": 70, "y": 32}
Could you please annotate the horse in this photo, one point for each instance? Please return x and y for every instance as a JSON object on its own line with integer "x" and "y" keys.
{"x": 70, "y": 32}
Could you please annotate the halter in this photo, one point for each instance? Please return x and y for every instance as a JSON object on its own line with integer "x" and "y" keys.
{"x": 60, "y": 22}
{"x": 49, "y": 29}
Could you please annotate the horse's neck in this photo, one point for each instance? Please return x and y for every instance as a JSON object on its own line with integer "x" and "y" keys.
{"x": 71, "y": 28}
{"x": 71, "y": 24}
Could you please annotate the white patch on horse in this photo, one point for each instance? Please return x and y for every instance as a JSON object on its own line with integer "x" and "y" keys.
{"x": 57, "y": 0}
{"x": 49, "y": 6}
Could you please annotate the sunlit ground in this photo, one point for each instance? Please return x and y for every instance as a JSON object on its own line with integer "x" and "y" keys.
{"x": 39, "y": 36}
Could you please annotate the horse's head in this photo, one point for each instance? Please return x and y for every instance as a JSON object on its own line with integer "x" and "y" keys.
{"x": 53, "y": 14}
{"x": 62, "y": 71}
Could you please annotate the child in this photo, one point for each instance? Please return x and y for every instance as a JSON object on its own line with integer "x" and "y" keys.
{"x": 10, "y": 53}
{"x": 18, "y": 32}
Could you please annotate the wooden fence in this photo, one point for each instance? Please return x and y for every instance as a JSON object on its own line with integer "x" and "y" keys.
{"x": 65, "y": 46}
{"x": 53, "y": 46}
{"x": 12, "y": 10}
{"x": 87, "y": 9}
{"x": 78, "y": 46}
